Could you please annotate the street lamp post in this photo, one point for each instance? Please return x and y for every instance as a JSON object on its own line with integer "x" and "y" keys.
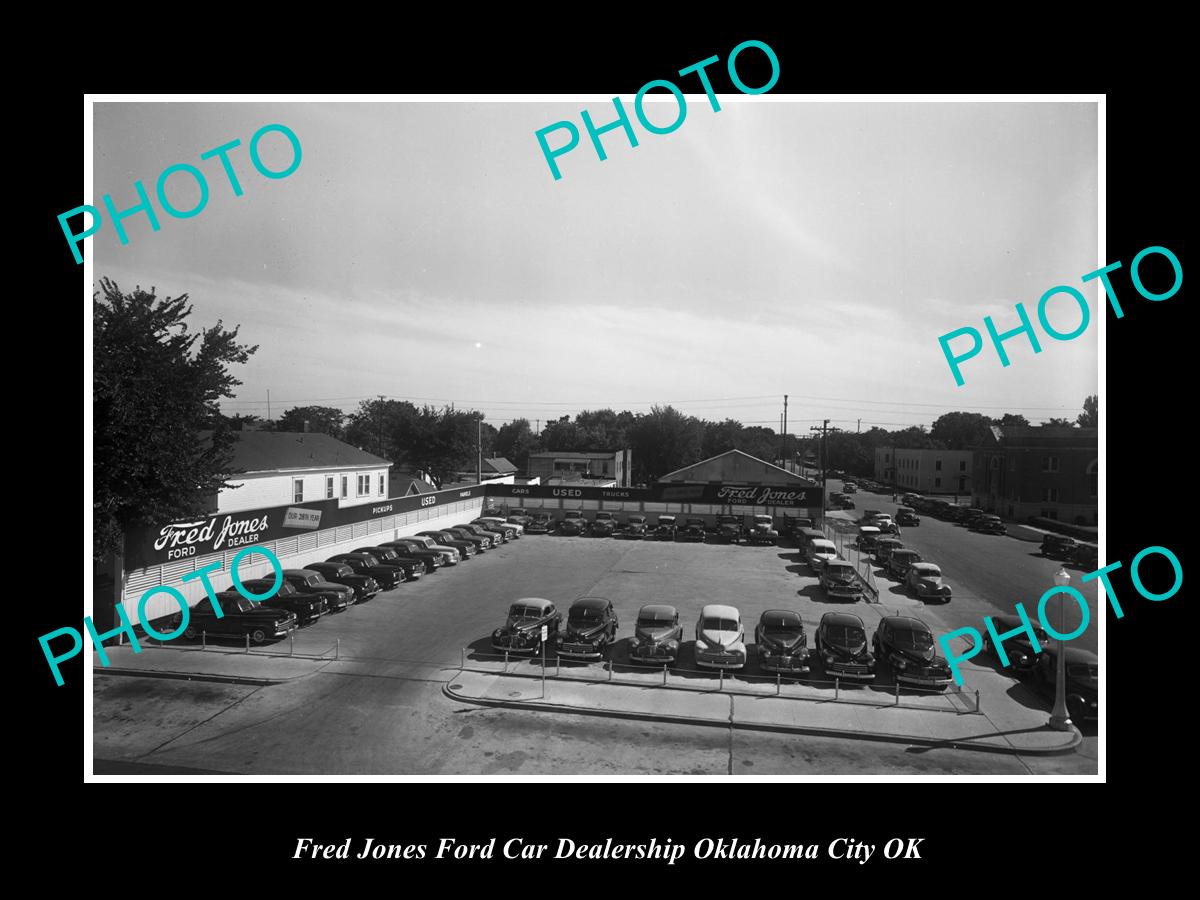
{"x": 1060, "y": 718}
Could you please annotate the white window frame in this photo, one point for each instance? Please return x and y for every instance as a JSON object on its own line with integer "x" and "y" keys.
{"x": 345, "y": 486}
{"x": 364, "y": 485}
{"x": 329, "y": 489}
{"x": 381, "y": 480}
{"x": 297, "y": 490}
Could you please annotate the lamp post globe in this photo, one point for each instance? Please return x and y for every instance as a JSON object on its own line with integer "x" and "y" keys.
{"x": 1060, "y": 718}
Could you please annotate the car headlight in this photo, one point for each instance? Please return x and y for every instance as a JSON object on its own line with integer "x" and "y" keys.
{"x": 635, "y": 641}
{"x": 899, "y": 663}
{"x": 829, "y": 659}
{"x": 499, "y": 632}
{"x": 701, "y": 644}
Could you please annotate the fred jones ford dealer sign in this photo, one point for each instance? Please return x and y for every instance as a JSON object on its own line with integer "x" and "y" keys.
{"x": 231, "y": 531}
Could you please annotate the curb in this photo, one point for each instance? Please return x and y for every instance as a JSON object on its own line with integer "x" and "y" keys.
{"x": 198, "y": 676}
{"x": 883, "y": 737}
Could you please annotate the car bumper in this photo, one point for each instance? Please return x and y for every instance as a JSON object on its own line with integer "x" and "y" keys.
{"x": 840, "y": 671}
{"x": 844, "y": 591}
{"x": 717, "y": 661}
{"x": 925, "y": 680}
{"x": 508, "y": 648}
{"x": 784, "y": 664}
{"x": 943, "y": 596}
{"x": 580, "y": 651}
{"x": 653, "y": 655}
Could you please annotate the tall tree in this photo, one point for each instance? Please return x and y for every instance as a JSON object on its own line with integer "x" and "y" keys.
{"x": 1090, "y": 417}
{"x": 380, "y": 426}
{"x": 320, "y": 419}
{"x": 155, "y": 388}
{"x": 1060, "y": 422}
{"x": 515, "y": 441}
{"x": 664, "y": 440}
{"x": 1012, "y": 419}
{"x": 960, "y": 430}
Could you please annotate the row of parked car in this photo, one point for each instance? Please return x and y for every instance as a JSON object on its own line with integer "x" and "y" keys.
{"x": 758, "y": 529}
{"x": 332, "y": 586}
{"x": 902, "y": 643}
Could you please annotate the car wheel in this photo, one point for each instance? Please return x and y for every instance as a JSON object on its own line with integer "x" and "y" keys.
{"x": 257, "y": 636}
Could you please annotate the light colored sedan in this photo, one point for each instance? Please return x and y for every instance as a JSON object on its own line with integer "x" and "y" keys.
{"x": 720, "y": 638}
{"x": 926, "y": 580}
{"x": 820, "y": 552}
{"x": 495, "y": 523}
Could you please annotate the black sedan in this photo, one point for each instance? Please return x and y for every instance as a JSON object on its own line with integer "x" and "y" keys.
{"x": 239, "y": 617}
{"x": 841, "y": 645}
{"x": 693, "y": 530}
{"x": 907, "y": 645}
{"x": 366, "y": 564}
{"x": 1082, "y": 683}
{"x": 306, "y": 607}
{"x": 413, "y": 549}
{"x": 391, "y": 555}
{"x": 656, "y": 636}
{"x": 782, "y": 644}
{"x": 522, "y": 630}
{"x": 1019, "y": 649}
{"x": 591, "y": 629}
{"x": 466, "y": 549}
{"x": 306, "y": 581}
{"x": 364, "y": 586}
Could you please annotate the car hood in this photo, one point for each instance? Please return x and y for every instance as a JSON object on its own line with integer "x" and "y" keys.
{"x": 636, "y": 526}
{"x": 937, "y": 581}
{"x": 720, "y": 638}
{"x": 656, "y": 633}
{"x": 928, "y": 657}
{"x": 845, "y": 650}
{"x": 523, "y": 624}
{"x": 841, "y": 576}
{"x": 331, "y": 586}
{"x": 786, "y": 639}
{"x": 585, "y": 631}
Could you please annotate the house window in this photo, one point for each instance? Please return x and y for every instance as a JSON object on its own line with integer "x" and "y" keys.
{"x": 937, "y": 482}
{"x": 937, "y": 465}
{"x": 1050, "y": 495}
{"x": 328, "y": 487}
{"x": 1049, "y": 463}
{"x": 380, "y": 485}
{"x": 364, "y": 485}
{"x": 962, "y": 465}
{"x": 297, "y": 490}
{"x": 345, "y": 489}
{"x": 996, "y": 463}
{"x": 1012, "y": 464}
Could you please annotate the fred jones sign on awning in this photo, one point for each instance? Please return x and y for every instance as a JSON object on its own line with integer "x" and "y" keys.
{"x": 713, "y": 494}
{"x": 229, "y": 531}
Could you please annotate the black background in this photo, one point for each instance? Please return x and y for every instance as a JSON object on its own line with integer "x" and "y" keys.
{"x": 974, "y": 831}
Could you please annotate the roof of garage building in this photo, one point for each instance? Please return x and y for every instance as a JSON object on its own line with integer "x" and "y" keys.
{"x": 499, "y": 464}
{"x": 736, "y": 467}
{"x": 272, "y": 451}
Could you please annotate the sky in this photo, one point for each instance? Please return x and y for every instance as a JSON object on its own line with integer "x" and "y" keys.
{"x": 423, "y": 251}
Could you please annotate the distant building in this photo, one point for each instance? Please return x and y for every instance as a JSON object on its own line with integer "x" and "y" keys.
{"x": 925, "y": 471}
{"x": 275, "y": 468}
{"x": 1049, "y": 471}
{"x": 616, "y": 465}
{"x": 497, "y": 470}
{"x": 735, "y": 467}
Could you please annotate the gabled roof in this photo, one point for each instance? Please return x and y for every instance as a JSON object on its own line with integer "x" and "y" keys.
{"x": 499, "y": 464}
{"x": 736, "y": 458}
{"x": 272, "y": 451}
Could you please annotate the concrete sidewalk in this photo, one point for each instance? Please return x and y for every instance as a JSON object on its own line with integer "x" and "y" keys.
{"x": 193, "y": 664}
{"x": 1014, "y": 733}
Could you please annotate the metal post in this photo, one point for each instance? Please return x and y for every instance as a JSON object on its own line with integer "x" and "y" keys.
{"x": 722, "y": 671}
{"x": 837, "y": 688}
{"x": 976, "y": 699}
{"x": 778, "y": 684}
{"x": 1060, "y": 717}
{"x": 203, "y": 640}
{"x": 543, "y": 670}
{"x": 664, "y": 674}
{"x": 610, "y": 670}
{"x": 337, "y": 648}
{"x": 557, "y": 665}
{"x": 506, "y": 661}
{"x": 247, "y": 642}
{"x": 897, "y": 693}
{"x": 292, "y": 644}
{"x": 462, "y": 657}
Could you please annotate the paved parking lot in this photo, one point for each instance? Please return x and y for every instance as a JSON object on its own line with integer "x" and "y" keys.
{"x": 380, "y": 708}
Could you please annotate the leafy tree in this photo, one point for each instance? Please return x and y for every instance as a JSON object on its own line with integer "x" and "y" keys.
{"x": 320, "y": 419}
{"x": 960, "y": 430}
{"x": 155, "y": 388}
{"x": 379, "y": 427}
{"x": 664, "y": 440}
{"x": 515, "y": 441}
{"x": 238, "y": 422}
{"x": 1059, "y": 422}
{"x": 1090, "y": 417}
{"x": 1012, "y": 419}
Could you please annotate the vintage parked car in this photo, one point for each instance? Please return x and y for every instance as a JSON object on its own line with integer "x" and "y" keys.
{"x": 841, "y": 645}
{"x": 729, "y": 529}
{"x": 1058, "y": 546}
{"x": 782, "y": 645}
{"x": 522, "y": 631}
{"x": 1086, "y": 556}
{"x": 1083, "y": 679}
{"x": 306, "y": 607}
{"x": 666, "y": 528}
{"x": 900, "y": 561}
{"x": 850, "y": 487}
{"x": 604, "y": 525}
{"x": 541, "y": 523}
{"x": 364, "y": 586}
{"x": 819, "y": 552}
{"x": 239, "y": 617}
{"x": 403, "y": 555}
{"x": 481, "y": 544}
{"x": 693, "y": 530}
{"x": 906, "y": 515}
{"x": 911, "y": 499}
{"x": 635, "y": 527}
{"x": 840, "y": 581}
{"x": 466, "y": 549}
{"x": 925, "y": 579}
{"x": 720, "y": 640}
{"x": 806, "y": 536}
{"x": 424, "y": 549}
{"x": 307, "y": 581}
{"x": 989, "y": 525}
{"x": 969, "y": 515}
{"x": 657, "y": 636}
{"x": 572, "y": 525}
{"x": 365, "y": 564}
{"x": 520, "y": 517}
{"x": 868, "y": 535}
{"x": 591, "y": 629}
{"x": 884, "y": 547}
{"x": 762, "y": 531}
{"x": 494, "y": 523}
{"x": 885, "y": 523}
{"x": 498, "y": 537}
{"x": 1019, "y": 649}
{"x": 907, "y": 645}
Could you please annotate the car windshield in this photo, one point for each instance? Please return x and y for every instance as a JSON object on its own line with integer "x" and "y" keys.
{"x": 929, "y": 572}
{"x": 780, "y": 620}
{"x": 912, "y": 639}
{"x": 839, "y": 571}
{"x": 519, "y": 611}
{"x": 637, "y": 520}
{"x": 653, "y": 620}
{"x": 845, "y": 635}
{"x": 586, "y": 615}
{"x": 715, "y": 623}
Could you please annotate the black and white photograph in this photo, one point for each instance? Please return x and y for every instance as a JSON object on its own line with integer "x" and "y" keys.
{"x": 686, "y": 434}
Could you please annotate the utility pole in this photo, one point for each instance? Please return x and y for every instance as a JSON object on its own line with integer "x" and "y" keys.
{"x": 479, "y": 449}
{"x": 859, "y": 427}
{"x": 783, "y": 455}
{"x": 268, "y": 404}
{"x": 823, "y": 459}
